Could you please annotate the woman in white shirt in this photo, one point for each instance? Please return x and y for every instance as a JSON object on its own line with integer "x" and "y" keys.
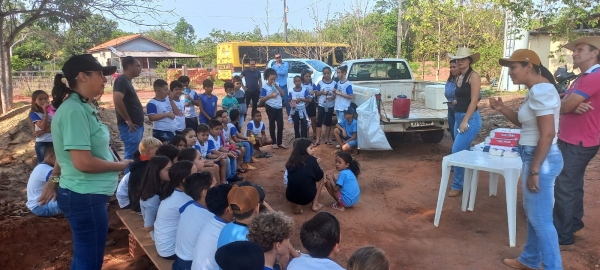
{"x": 542, "y": 160}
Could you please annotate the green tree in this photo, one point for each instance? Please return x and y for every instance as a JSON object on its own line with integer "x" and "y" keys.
{"x": 87, "y": 33}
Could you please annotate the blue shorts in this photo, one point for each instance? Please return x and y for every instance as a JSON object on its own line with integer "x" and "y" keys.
{"x": 352, "y": 143}
{"x": 163, "y": 136}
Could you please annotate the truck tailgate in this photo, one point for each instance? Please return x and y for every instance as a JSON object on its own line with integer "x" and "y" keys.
{"x": 418, "y": 113}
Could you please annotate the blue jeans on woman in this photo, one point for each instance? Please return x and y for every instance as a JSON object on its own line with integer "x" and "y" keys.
{"x": 88, "y": 218}
{"x": 542, "y": 239}
{"x": 249, "y": 152}
{"x": 451, "y": 119}
{"x": 462, "y": 141}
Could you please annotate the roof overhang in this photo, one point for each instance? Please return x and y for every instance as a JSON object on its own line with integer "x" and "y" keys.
{"x": 163, "y": 54}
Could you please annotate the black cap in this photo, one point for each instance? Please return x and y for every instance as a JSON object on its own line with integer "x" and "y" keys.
{"x": 84, "y": 63}
{"x": 261, "y": 191}
{"x": 240, "y": 255}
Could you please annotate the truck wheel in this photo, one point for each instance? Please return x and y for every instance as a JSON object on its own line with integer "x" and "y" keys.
{"x": 434, "y": 136}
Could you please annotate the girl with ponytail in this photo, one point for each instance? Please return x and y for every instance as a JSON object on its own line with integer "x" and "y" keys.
{"x": 344, "y": 189}
{"x": 86, "y": 174}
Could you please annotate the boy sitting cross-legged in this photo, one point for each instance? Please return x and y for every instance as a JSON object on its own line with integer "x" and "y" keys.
{"x": 345, "y": 132}
{"x": 37, "y": 180}
{"x": 320, "y": 236}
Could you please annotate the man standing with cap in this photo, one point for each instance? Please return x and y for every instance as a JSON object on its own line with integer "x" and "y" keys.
{"x": 578, "y": 139}
{"x": 130, "y": 112}
{"x": 245, "y": 204}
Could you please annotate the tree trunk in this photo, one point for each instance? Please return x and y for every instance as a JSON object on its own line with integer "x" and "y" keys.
{"x": 6, "y": 79}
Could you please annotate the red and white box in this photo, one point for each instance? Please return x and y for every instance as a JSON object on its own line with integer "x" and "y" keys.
{"x": 506, "y": 133}
{"x": 504, "y": 142}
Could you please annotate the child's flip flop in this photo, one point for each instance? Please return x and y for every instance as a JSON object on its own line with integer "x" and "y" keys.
{"x": 335, "y": 206}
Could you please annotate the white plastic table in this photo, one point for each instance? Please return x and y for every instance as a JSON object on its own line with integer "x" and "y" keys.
{"x": 473, "y": 162}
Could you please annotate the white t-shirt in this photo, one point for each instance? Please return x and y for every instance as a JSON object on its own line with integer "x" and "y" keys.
{"x": 327, "y": 88}
{"x": 37, "y": 117}
{"x": 302, "y": 94}
{"x": 189, "y": 111}
{"x": 256, "y": 130}
{"x": 167, "y": 220}
{"x": 193, "y": 218}
{"x": 214, "y": 143}
{"x": 37, "y": 180}
{"x": 342, "y": 103}
{"x": 203, "y": 148}
{"x": 275, "y": 102}
{"x": 206, "y": 245}
{"x": 305, "y": 262}
{"x": 149, "y": 210}
{"x": 122, "y": 191}
{"x": 541, "y": 99}
{"x": 156, "y": 106}
{"x": 180, "y": 118}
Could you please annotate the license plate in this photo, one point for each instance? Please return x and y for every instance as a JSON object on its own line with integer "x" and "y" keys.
{"x": 421, "y": 124}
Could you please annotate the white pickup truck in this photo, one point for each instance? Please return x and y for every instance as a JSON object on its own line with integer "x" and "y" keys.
{"x": 391, "y": 77}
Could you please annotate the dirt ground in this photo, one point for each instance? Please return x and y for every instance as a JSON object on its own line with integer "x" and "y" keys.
{"x": 399, "y": 195}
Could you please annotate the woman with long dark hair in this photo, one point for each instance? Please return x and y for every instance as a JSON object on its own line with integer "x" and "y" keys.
{"x": 155, "y": 178}
{"x": 467, "y": 119}
{"x": 304, "y": 176}
{"x": 87, "y": 168}
{"x": 451, "y": 95}
{"x": 542, "y": 160}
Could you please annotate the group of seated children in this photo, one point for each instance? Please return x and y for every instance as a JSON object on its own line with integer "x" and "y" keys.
{"x": 304, "y": 179}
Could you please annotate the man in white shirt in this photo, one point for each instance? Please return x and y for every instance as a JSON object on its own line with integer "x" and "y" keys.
{"x": 206, "y": 244}
{"x": 37, "y": 180}
{"x": 194, "y": 216}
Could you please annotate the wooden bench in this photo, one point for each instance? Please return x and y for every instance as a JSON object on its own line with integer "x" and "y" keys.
{"x": 135, "y": 225}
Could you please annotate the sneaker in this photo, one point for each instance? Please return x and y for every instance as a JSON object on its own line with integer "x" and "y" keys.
{"x": 235, "y": 179}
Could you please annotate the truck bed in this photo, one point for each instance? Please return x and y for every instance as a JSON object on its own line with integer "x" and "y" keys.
{"x": 418, "y": 113}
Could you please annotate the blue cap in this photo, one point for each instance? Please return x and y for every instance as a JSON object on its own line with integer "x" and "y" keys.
{"x": 349, "y": 110}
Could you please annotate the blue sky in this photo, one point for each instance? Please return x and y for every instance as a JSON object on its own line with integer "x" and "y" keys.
{"x": 244, "y": 15}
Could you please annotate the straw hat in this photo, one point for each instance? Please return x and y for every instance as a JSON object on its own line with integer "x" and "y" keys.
{"x": 594, "y": 41}
{"x": 522, "y": 55}
{"x": 464, "y": 52}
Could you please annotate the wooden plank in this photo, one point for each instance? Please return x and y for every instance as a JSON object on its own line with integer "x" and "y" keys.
{"x": 135, "y": 225}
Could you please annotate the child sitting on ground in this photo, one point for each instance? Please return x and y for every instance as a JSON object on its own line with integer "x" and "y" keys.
{"x": 193, "y": 155}
{"x": 167, "y": 217}
{"x": 240, "y": 95}
{"x": 230, "y": 144}
{"x": 320, "y": 236}
{"x": 229, "y": 102}
{"x": 216, "y": 147}
{"x": 37, "y": 180}
{"x": 368, "y": 258}
{"x": 240, "y": 140}
{"x": 161, "y": 111}
{"x": 256, "y": 128}
{"x": 245, "y": 205}
{"x": 344, "y": 189}
{"x": 156, "y": 175}
{"x": 345, "y": 132}
{"x": 193, "y": 218}
{"x": 176, "y": 93}
{"x": 206, "y": 244}
{"x": 272, "y": 232}
{"x": 201, "y": 145}
{"x": 303, "y": 176}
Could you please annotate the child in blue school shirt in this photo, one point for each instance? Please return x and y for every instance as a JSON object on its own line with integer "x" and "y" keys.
{"x": 345, "y": 131}
{"x": 344, "y": 189}
{"x": 208, "y": 102}
{"x": 162, "y": 111}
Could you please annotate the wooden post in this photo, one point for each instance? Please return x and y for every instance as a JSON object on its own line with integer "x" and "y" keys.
{"x": 184, "y": 70}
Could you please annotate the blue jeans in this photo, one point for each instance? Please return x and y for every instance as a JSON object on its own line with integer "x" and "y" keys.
{"x": 285, "y": 99}
{"x": 47, "y": 210}
{"x": 542, "y": 239}
{"x": 249, "y": 152}
{"x": 40, "y": 149}
{"x": 131, "y": 141}
{"x": 451, "y": 120}
{"x": 462, "y": 141}
{"x": 88, "y": 218}
{"x": 180, "y": 264}
{"x": 163, "y": 136}
{"x": 231, "y": 168}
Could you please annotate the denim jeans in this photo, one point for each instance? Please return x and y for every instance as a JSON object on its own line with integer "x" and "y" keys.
{"x": 249, "y": 152}
{"x": 131, "y": 141}
{"x": 231, "y": 168}
{"x": 180, "y": 264}
{"x": 462, "y": 141}
{"x": 451, "y": 119}
{"x": 88, "y": 218}
{"x": 542, "y": 239}
{"x": 40, "y": 148}
{"x": 163, "y": 136}
{"x": 47, "y": 210}
{"x": 285, "y": 99}
{"x": 568, "y": 191}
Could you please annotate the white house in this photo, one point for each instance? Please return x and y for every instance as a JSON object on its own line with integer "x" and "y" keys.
{"x": 148, "y": 51}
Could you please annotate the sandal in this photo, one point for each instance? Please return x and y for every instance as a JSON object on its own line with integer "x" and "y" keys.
{"x": 282, "y": 146}
{"x": 274, "y": 146}
{"x": 320, "y": 206}
{"x": 263, "y": 155}
{"x": 241, "y": 170}
{"x": 336, "y": 207}
{"x": 268, "y": 155}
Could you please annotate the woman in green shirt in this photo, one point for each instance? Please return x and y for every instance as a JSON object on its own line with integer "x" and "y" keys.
{"x": 88, "y": 170}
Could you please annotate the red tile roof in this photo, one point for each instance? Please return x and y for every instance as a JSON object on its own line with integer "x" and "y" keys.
{"x": 121, "y": 40}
